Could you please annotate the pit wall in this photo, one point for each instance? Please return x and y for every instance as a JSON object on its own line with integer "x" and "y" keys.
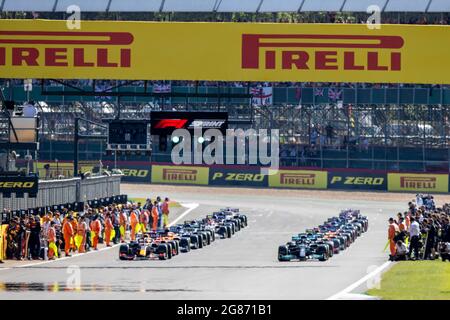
{"x": 296, "y": 178}
{"x": 55, "y": 192}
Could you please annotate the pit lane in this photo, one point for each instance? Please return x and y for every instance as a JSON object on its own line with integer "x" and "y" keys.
{"x": 243, "y": 267}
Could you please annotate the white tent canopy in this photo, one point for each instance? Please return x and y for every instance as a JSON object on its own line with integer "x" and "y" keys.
{"x": 225, "y": 5}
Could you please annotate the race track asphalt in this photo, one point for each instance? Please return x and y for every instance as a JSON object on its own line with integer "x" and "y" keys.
{"x": 243, "y": 267}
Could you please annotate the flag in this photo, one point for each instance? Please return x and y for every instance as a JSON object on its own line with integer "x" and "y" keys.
{"x": 102, "y": 89}
{"x": 318, "y": 92}
{"x": 262, "y": 96}
{"x": 334, "y": 94}
{"x": 298, "y": 94}
{"x": 162, "y": 88}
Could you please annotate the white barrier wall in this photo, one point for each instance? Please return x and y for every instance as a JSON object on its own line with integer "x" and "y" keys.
{"x": 55, "y": 192}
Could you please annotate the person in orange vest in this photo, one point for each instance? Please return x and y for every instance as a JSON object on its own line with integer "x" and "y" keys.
{"x": 81, "y": 231}
{"x": 165, "y": 212}
{"x": 401, "y": 224}
{"x": 67, "y": 234}
{"x": 96, "y": 227}
{"x": 155, "y": 214}
{"x": 123, "y": 223}
{"x": 51, "y": 238}
{"x": 143, "y": 217}
{"x": 392, "y": 232}
{"x": 108, "y": 228}
{"x": 133, "y": 222}
{"x": 408, "y": 220}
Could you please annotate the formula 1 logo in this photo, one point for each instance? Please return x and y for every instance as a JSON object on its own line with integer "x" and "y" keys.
{"x": 170, "y": 123}
{"x": 181, "y": 123}
{"x": 180, "y": 174}
{"x": 65, "y": 48}
{"x": 207, "y": 124}
{"x": 324, "y": 55}
{"x": 298, "y": 179}
{"x": 418, "y": 182}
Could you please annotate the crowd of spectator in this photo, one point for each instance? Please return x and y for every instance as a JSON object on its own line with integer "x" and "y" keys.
{"x": 435, "y": 18}
{"x": 422, "y": 232}
{"x": 48, "y": 235}
{"x": 108, "y": 85}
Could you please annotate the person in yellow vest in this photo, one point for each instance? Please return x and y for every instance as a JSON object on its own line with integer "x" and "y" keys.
{"x": 51, "y": 238}
{"x": 123, "y": 225}
{"x": 144, "y": 219}
{"x": 108, "y": 228}
{"x": 82, "y": 231}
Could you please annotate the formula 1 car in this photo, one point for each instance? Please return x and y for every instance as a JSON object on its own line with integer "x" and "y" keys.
{"x": 150, "y": 245}
{"x": 228, "y": 221}
{"x": 335, "y": 235}
{"x": 192, "y": 234}
{"x": 303, "y": 250}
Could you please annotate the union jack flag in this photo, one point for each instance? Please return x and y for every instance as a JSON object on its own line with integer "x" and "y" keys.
{"x": 318, "y": 92}
{"x": 162, "y": 88}
{"x": 334, "y": 94}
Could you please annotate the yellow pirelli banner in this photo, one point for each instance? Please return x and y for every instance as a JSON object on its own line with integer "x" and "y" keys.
{"x": 60, "y": 168}
{"x": 417, "y": 182}
{"x": 225, "y": 51}
{"x": 180, "y": 174}
{"x": 308, "y": 179}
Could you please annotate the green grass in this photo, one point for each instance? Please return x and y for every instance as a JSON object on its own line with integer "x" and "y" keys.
{"x": 172, "y": 204}
{"x": 415, "y": 280}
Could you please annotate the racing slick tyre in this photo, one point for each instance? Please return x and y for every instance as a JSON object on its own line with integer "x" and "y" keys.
{"x": 324, "y": 257}
{"x": 208, "y": 238}
{"x": 162, "y": 252}
{"x": 148, "y": 252}
{"x": 123, "y": 252}
{"x": 185, "y": 245}
{"x": 233, "y": 229}
{"x": 176, "y": 247}
{"x": 282, "y": 251}
{"x": 212, "y": 235}
{"x": 237, "y": 225}
{"x": 229, "y": 233}
{"x": 195, "y": 242}
{"x": 200, "y": 241}
{"x": 169, "y": 250}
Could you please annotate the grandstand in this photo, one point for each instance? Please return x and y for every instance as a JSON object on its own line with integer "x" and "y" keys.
{"x": 402, "y": 127}
{"x": 251, "y": 6}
